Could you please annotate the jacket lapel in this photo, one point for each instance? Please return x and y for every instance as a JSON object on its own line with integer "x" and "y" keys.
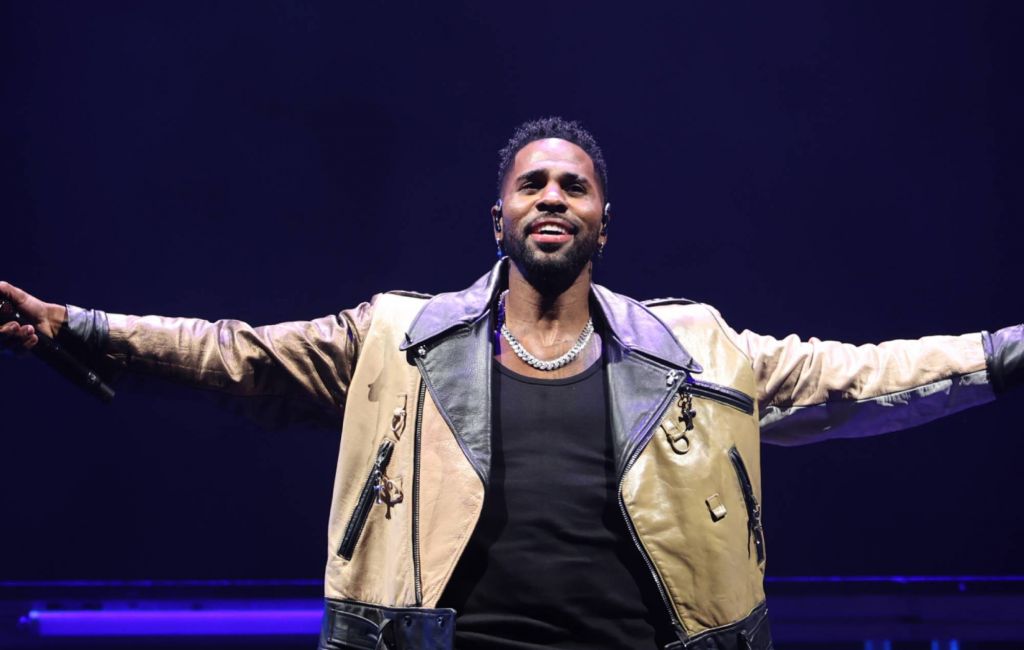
{"x": 645, "y": 366}
{"x": 450, "y": 341}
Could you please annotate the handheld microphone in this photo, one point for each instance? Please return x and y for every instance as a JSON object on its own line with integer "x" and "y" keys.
{"x": 59, "y": 358}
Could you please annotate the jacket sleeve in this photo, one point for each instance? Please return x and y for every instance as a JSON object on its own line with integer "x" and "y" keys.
{"x": 306, "y": 363}
{"x": 810, "y": 390}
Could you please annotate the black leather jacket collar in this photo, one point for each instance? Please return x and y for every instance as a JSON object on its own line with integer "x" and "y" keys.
{"x": 632, "y": 324}
{"x": 450, "y": 341}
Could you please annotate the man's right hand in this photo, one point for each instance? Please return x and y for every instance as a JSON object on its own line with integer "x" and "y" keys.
{"x": 40, "y": 318}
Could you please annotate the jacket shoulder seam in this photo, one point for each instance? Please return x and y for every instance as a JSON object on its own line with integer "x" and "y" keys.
{"x": 710, "y": 312}
{"x": 657, "y": 302}
{"x": 410, "y": 294}
{"x": 732, "y": 338}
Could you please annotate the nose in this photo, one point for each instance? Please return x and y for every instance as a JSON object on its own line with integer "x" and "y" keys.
{"x": 552, "y": 199}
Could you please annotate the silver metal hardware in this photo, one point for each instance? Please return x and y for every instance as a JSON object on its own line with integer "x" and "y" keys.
{"x": 388, "y": 492}
{"x": 398, "y": 417}
{"x": 398, "y": 421}
{"x": 686, "y": 411}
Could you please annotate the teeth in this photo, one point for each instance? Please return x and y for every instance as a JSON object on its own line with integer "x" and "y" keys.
{"x": 551, "y": 230}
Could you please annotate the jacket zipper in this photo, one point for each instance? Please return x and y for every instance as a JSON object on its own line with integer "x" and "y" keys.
{"x": 722, "y": 394}
{"x": 367, "y": 496}
{"x": 417, "y": 446}
{"x": 743, "y": 402}
{"x": 675, "y": 380}
{"x": 754, "y": 527}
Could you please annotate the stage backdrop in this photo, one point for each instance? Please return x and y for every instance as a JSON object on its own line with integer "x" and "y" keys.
{"x": 844, "y": 170}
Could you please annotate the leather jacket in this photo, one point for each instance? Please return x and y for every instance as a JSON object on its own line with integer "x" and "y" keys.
{"x": 690, "y": 399}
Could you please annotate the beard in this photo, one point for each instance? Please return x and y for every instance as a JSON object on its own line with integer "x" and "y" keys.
{"x": 551, "y": 269}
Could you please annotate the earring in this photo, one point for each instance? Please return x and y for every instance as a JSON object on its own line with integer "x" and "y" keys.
{"x": 600, "y": 251}
{"x": 501, "y": 249}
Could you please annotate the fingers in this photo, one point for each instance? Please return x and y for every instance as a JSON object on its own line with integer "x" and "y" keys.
{"x": 15, "y": 337}
{"x": 16, "y": 295}
{"x": 48, "y": 318}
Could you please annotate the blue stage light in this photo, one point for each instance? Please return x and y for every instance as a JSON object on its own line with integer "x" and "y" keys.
{"x": 152, "y": 622}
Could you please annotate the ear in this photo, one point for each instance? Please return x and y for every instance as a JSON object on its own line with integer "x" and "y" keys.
{"x": 606, "y": 218}
{"x": 496, "y": 217}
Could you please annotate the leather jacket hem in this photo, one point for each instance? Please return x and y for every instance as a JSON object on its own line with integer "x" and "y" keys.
{"x": 749, "y": 633}
{"x": 361, "y": 626}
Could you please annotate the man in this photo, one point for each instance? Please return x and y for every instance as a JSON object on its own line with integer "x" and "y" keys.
{"x": 537, "y": 461}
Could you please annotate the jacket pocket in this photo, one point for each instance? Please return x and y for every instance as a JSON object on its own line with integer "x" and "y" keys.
{"x": 367, "y": 497}
{"x": 721, "y": 394}
{"x": 754, "y": 528}
{"x": 691, "y": 388}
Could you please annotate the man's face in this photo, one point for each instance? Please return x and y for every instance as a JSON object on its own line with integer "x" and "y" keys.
{"x": 551, "y": 212}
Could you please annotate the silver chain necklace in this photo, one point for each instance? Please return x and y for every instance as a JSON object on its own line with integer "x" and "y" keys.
{"x": 533, "y": 361}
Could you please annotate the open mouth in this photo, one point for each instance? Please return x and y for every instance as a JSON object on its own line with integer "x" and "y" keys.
{"x": 550, "y": 231}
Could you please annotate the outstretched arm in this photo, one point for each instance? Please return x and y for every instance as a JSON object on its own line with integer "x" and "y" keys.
{"x": 308, "y": 361}
{"x": 810, "y": 390}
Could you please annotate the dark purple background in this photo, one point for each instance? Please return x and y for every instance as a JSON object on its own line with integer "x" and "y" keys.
{"x": 844, "y": 170}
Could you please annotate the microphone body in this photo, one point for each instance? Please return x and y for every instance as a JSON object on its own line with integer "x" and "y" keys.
{"x": 55, "y": 355}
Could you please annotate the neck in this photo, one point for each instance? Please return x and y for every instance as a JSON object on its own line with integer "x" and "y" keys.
{"x": 548, "y": 314}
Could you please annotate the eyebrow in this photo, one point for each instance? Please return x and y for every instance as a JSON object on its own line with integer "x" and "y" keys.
{"x": 564, "y": 177}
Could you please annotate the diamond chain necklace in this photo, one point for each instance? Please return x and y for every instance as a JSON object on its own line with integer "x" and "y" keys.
{"x": 533, "y": 361}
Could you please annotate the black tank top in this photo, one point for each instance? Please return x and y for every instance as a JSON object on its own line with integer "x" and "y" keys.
{"x": 551, "y": 564}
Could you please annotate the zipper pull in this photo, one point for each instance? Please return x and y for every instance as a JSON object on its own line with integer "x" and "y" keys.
{"x": 388, "y": 492}
{"x": 757, "y": 530}
{"x": 385, "y": 490}
{"x": 686, "y": 412}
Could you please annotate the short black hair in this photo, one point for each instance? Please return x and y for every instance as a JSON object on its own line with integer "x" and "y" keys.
{"x": 552, "y": 127}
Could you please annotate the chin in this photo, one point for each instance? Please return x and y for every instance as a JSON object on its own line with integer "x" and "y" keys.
{"x": 551, "y": 271}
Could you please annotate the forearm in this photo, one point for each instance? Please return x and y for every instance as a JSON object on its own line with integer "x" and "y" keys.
{"x": 308, "y": 359}
{"x": 812, "y": 390}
